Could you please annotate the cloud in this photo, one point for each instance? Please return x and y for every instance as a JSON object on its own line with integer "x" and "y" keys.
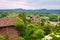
{"x": 13, "y": 4}
{"x": 30, "y": 4}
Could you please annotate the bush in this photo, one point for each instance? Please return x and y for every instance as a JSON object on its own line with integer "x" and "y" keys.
{"x": 47, "y": 28}
{"x": 55, "y": 36}
{"x": 20, "y": 38}
{"x": 30, "y": 30}
{"x": 58, "y": 28}
{"x": 19, "y": 25}
{"x": 1, "y": 37}
{"x": 38, "y": 34}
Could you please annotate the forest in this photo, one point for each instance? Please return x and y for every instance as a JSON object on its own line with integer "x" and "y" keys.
{"x": 35, "y": 24}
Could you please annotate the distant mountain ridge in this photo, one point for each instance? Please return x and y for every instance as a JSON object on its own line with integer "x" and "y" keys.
{"x": 31, "y": 11}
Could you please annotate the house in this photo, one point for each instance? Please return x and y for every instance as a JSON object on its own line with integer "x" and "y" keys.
{"x": 54, "y": 23}
{"x": 35, "y": 19}
{"x": 7, "y": 27}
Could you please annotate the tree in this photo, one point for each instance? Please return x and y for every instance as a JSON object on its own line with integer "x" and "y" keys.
{"x": 22, "y": 16}
{"x": 54, "y": 18}
{"x": 38, "y": 34}
{"x": 48, "y": 28}
{"x": 19, "y": 25}
{"x": 59, "y": 18}
{"x": 33, "y": 32}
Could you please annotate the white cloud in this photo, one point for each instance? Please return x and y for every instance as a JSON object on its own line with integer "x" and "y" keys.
{"x": 29, "y": 4}
{"x": 13, "y": 4}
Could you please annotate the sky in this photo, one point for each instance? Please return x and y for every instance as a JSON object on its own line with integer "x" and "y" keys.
{"x": 30, "y": 4}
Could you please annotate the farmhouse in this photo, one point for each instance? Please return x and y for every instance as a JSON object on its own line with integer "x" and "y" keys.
{"x": 54, "y": 23}
{"x": 35, "y": 19}
{"x": 7, "y": 27}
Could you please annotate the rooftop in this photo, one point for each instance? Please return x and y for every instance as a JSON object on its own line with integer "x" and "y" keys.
{"x": 7, "y": 21}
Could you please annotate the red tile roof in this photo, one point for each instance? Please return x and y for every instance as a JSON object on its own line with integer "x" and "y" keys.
{"x": 7, "y": 21}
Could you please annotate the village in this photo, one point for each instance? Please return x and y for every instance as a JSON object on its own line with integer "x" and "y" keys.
{"x": 14, "y": 27}
{"x": 29, "y": 19}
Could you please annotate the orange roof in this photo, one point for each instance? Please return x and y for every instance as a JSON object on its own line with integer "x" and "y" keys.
{"x": 7, "y": 21}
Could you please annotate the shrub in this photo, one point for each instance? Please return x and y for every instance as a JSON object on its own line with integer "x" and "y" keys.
{"x": 47, "y": 28}
{"x": 38, "y": 34}
{"x": 1, "y": 37}
{"x": 30, "y": 30}
{"x": 19, "y": 25}
{"x": 20, "y": 38}
{"x": 55, "y": 36}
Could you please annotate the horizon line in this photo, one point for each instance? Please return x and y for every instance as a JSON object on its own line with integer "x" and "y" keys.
{"x": 29, "y": 9}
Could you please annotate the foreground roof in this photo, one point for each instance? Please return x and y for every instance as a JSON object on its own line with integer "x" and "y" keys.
{"x": 7, "y": 21}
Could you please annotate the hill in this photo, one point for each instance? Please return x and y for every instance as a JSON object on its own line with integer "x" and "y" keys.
{"x": 30, "y": 11}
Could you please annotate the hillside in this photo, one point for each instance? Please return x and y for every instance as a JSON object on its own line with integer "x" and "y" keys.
{"x": 31, "y": 11}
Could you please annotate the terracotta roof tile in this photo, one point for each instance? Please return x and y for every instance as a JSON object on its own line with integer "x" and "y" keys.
{"x": 7, "y": 21}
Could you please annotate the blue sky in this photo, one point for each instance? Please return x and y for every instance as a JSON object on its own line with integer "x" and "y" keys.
{"x": 30, "y": 4}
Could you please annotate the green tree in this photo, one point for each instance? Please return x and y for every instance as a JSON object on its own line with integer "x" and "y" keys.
{"x": 33, "y": 32}
{"x": 38, "y": 34}
{"x": 48, "y": 28}
{"x": 22, "y": 16}
{"x": 54, "y": 18}
{"x": 19, "y": 25}
{"x": 59, "y": 18}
